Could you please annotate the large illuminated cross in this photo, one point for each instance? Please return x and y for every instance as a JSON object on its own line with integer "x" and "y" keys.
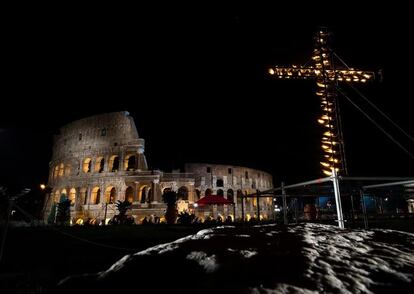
{"x": 327, "y": 76}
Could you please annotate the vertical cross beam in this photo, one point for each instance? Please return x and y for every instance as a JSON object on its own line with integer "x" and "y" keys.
{"x": 327, "y": 76}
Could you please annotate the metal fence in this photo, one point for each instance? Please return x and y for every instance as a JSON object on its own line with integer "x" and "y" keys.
{"x": 362, "y": 201}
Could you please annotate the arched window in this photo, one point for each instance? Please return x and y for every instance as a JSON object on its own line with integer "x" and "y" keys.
{"x": 239, "y": 197}
{"x": 87, "y": 164}
{"x": 56, "y": 197}
{"x": 220, "y": 192}
{"x": 63, "y": 195}
{"x": 130, "y": 162}
{"x": 95, "y": 195}
{"x": 220, "y": 183}
{"x": 56, "y": 172}
{"x": 99, "y": 165}
{"x": 198, "y": 194}
{"x": 72, "y": 196}
{"x": 110, "y": 195}
{"x": 129, "y": 194}
{"x": 82, "y": 194}
{"x": 61, "y": 170}
{"x": 182, "y": 193}
{"x": 230, "y": 195}
{"x": 143, "y": 194}
{"x": 68, "y": 170}
{"x": 208, "y": 192}
{"x": 114, "y": 163}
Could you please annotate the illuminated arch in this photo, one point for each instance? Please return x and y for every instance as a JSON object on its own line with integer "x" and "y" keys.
{"x": 82, "y": 194}
{"x": 95, "y": 195}
{"x": 68, "y": 170}
{"x": 230, "y": 195}
{"x": 114, "y": 163}
{"x": 99, "y": 164}
{"x": 72, "y": 196}
{"x": 56, "y": 172}
{"x": 61, "y": 170}
{"x": 144, "y": 193}
{"x": 198, "y": 194}
{"x": 130, "y": 162}
{"x": 87, "y": 165}
{"x": 182, "y": 193}
{"x": 129, "y": 194}
{"x": 110, "y": 194}
{"x": 56, "y": 196}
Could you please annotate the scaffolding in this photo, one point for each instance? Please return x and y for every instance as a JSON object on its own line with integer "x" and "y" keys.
{"x": 342, "y": 200}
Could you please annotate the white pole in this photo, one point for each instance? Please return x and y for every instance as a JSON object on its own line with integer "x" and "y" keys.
{"x": 338, "y": 199}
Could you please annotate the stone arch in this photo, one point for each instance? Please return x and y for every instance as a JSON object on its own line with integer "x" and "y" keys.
{"x": 166, "y": 189}
{"x": 72, "y": 196}
{"x": 144, "y": 194}
{"x": 87, "y": 165}
{"x": 129, "y": 194}
{"x": 182, "y": 193}
{"x": 198, "y": 194}
{"x": 95, "y": 195}
{"x": 61, "y": 170}
{"x": 220, "y": 192}
{"x": 114, "y": 163}
{"x": 68, "y": 170}
{"x": 131, "y": 162}
{"x": 56, "y": 196}
{"x": 239, "y": 198}
{"x": 110, "y": 194}
{"x": 56, "y": 172}
{"x": 63, "y": 192}
{"x": 83, "y": 196}
{"x": 230, "y": 195}
{"x": 99, "y": 164}
{"x": 208, "y": 192}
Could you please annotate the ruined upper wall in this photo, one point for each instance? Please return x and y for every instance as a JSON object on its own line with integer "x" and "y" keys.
{"x": 95, "y": 133}
{"x": 232, "y": 175}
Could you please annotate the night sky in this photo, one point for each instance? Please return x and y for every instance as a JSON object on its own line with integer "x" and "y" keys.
{"x": 195, "y": 81}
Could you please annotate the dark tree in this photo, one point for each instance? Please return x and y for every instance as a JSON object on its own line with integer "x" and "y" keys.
{"x": 170, "y": 197}
{"x": 121, "y": 218}
{"x": 63, "y": 211}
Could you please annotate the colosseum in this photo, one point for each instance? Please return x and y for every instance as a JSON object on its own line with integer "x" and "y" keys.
{"x": 100, "y": 159}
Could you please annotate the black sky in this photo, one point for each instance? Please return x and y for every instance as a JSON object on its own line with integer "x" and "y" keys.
{"x": 194, "y": 79}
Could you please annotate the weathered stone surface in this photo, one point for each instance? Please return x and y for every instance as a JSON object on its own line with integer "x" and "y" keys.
{"x": 100, "y": 159}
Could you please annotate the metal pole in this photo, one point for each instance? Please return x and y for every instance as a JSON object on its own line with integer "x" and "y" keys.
{"x": 106, "y": 209}
{"x": 364, "y": 209}
{"x": 352, "y": 208}
{"x": 242, "y": 204}
{"x": 285, "y": 220}
{"x": 388, "y": 184}
{"x": 338, "y": 199}
{"x": 317, "y": 181}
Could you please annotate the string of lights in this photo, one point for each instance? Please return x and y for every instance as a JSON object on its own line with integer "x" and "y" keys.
{"x": 325, "y": 74}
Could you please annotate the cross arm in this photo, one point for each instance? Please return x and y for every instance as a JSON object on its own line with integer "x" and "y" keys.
{"x": 345, "y": 75}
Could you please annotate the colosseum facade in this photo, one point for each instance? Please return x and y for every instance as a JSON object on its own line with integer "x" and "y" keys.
{"x": 100, "y": 159}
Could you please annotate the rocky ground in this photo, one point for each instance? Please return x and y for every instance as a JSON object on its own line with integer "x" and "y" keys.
{"x": 305, "y": 258}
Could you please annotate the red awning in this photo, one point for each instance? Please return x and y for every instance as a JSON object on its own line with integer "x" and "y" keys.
{"x": 213, "y": 199}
